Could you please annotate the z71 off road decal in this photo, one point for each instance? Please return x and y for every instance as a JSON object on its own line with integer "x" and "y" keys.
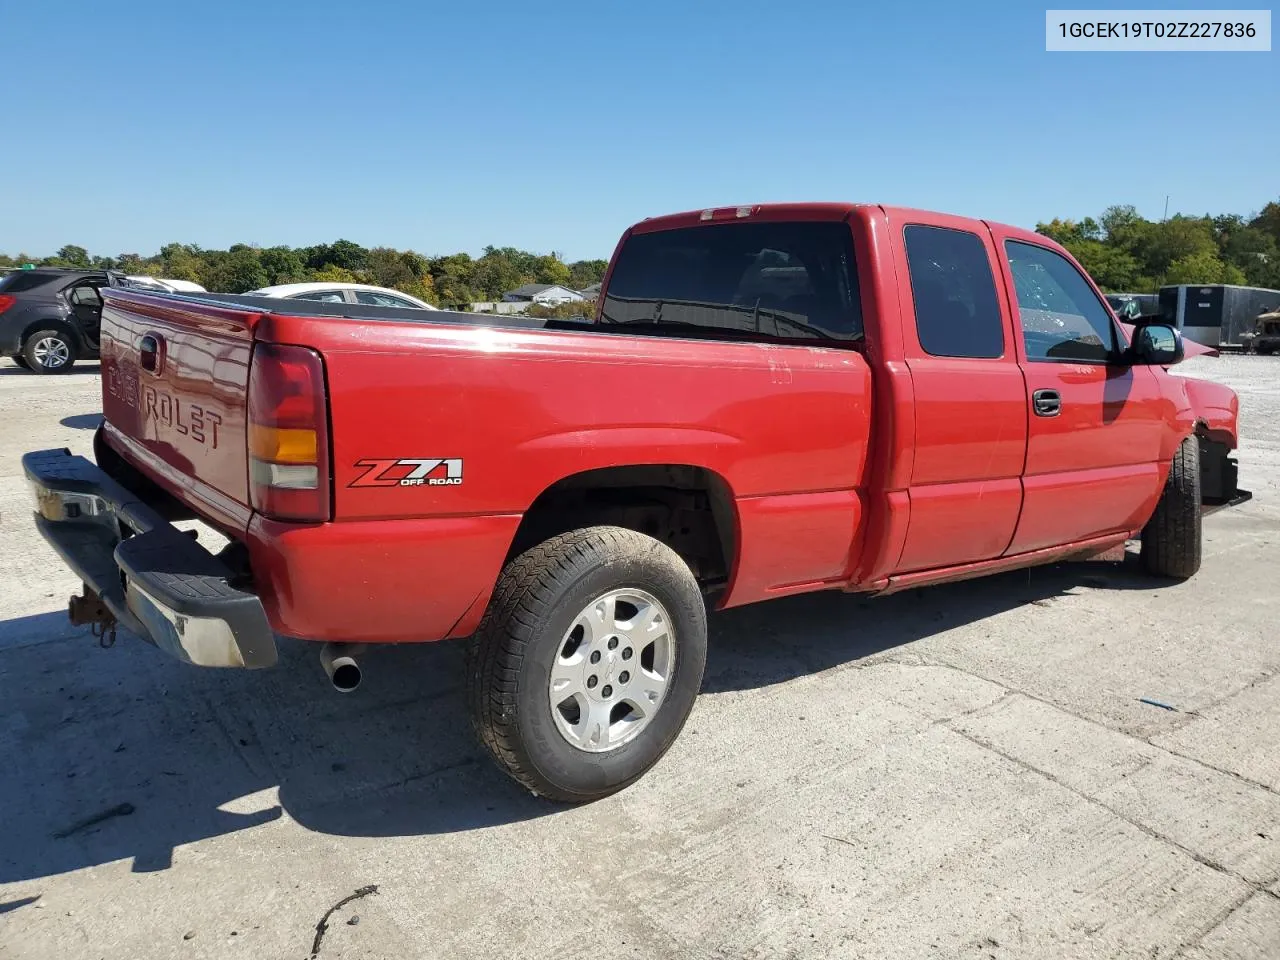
{"x": 409, "y": 473}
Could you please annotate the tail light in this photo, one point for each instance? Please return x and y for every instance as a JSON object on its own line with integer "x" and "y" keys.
{"x": 6, "y": 302}
{"x": 288, "y": 434}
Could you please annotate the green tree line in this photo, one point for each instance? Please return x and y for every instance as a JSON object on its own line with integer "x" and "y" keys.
{"x": 1124, "y": 252}
{"x": 1120, "y": 249}
{"x": 449, "y": 281}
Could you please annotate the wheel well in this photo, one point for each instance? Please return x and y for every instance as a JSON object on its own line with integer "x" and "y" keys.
{"x": 1206, "y": 434}
{"x": 55, "y": 323}
{"x": 688, "y": 508}
{"x": 1219, "y": 474}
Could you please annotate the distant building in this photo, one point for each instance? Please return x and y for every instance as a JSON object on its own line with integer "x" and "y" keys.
{"x": 500, "y": 306}
{"x": 547, "y": 294}
{"x": 591, "y": 293}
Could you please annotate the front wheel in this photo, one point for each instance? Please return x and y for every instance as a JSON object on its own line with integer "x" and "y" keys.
{"x": 1171, "y": 540}
{"x": 587, "y": 662}
{"x": 50, "y": 351}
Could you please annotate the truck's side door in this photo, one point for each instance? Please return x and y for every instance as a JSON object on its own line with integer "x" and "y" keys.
{"x": 1096, "y": 424}
{"x": 970, "y": 400}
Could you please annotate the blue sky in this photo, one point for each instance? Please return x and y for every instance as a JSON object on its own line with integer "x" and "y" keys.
{"x": 444, "y": 127}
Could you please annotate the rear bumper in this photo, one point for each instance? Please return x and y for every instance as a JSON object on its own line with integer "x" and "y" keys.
{"x": 156, "y": 580}
{"x": 13, "y": 322}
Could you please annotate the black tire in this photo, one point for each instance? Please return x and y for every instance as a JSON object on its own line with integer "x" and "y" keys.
{"x": 510, "y": 658}
{"x": 21, "y": 361}
{"x": 42, "y": 348}
{"x": 1171, "y": 539}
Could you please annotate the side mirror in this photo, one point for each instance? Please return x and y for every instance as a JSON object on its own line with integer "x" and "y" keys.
{"x": 1155, "y": 345}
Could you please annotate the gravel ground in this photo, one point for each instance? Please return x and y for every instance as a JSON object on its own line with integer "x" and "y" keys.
{"x": 965, "y": 771}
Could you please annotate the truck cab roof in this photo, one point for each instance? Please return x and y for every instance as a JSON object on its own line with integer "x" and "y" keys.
{"x": 813, "y": 211}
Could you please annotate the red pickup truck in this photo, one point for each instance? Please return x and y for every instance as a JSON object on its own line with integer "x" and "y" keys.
{"x": 768, "y": 400}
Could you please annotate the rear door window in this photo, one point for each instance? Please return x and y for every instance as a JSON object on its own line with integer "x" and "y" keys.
{"x": 21, "y": 280}
{"x": 786, "y": 280}
{"x": 957, "y": 313}
{"x": 324, "y": 296}
{"x": 375, "y": 299}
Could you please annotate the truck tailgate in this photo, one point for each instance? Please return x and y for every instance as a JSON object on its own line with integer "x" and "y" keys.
{"x": 174, "y": 392}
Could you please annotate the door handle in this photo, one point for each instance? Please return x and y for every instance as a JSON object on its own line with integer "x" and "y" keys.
{"x": 1046, "y": 403}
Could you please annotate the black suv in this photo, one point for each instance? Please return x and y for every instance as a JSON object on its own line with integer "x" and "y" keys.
{"x": 50, "y": 318}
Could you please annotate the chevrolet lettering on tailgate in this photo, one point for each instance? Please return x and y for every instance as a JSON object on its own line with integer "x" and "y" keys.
{"x": 190, "y": 419}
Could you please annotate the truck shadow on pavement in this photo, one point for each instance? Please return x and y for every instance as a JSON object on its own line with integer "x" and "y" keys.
{"x": 82, "y": 421}
{"x": 780, "y": 640}
{"x": 123, "y": 753}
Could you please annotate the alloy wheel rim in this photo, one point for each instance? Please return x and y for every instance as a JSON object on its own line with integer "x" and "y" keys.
{"x": 51, "y": 353}
{"x": 612, "y": 670}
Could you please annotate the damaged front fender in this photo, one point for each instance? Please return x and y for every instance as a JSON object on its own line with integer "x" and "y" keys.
{"x": 1216, "y": 409}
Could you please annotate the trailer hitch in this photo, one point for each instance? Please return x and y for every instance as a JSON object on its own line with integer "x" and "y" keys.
{"x": 88, "y": 609}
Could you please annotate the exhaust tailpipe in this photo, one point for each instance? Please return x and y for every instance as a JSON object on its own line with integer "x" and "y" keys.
{"x": 341, "y": 666}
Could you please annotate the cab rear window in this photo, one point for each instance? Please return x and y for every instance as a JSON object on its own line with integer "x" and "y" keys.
{"x": 785, "y": 280}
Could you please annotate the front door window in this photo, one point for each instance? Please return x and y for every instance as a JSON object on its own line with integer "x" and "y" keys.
{"x": 1062, "y": 319}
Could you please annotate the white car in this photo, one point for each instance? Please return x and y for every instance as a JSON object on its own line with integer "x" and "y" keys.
{"x": 165, "y": 284}
{"x": 342, "y": 293}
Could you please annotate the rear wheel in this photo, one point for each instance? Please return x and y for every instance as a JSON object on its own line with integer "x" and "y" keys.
{"x": 1171, "y": 539}
{"x": 588, "y": 662}
{"x": 50, "y": 351}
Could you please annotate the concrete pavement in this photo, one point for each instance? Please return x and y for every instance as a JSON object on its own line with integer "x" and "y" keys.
{"x": 965, "y": 771}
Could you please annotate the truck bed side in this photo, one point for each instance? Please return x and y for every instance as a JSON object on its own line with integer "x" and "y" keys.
{"x": 517, "y": 411}
{"x": 443, "y": 434}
